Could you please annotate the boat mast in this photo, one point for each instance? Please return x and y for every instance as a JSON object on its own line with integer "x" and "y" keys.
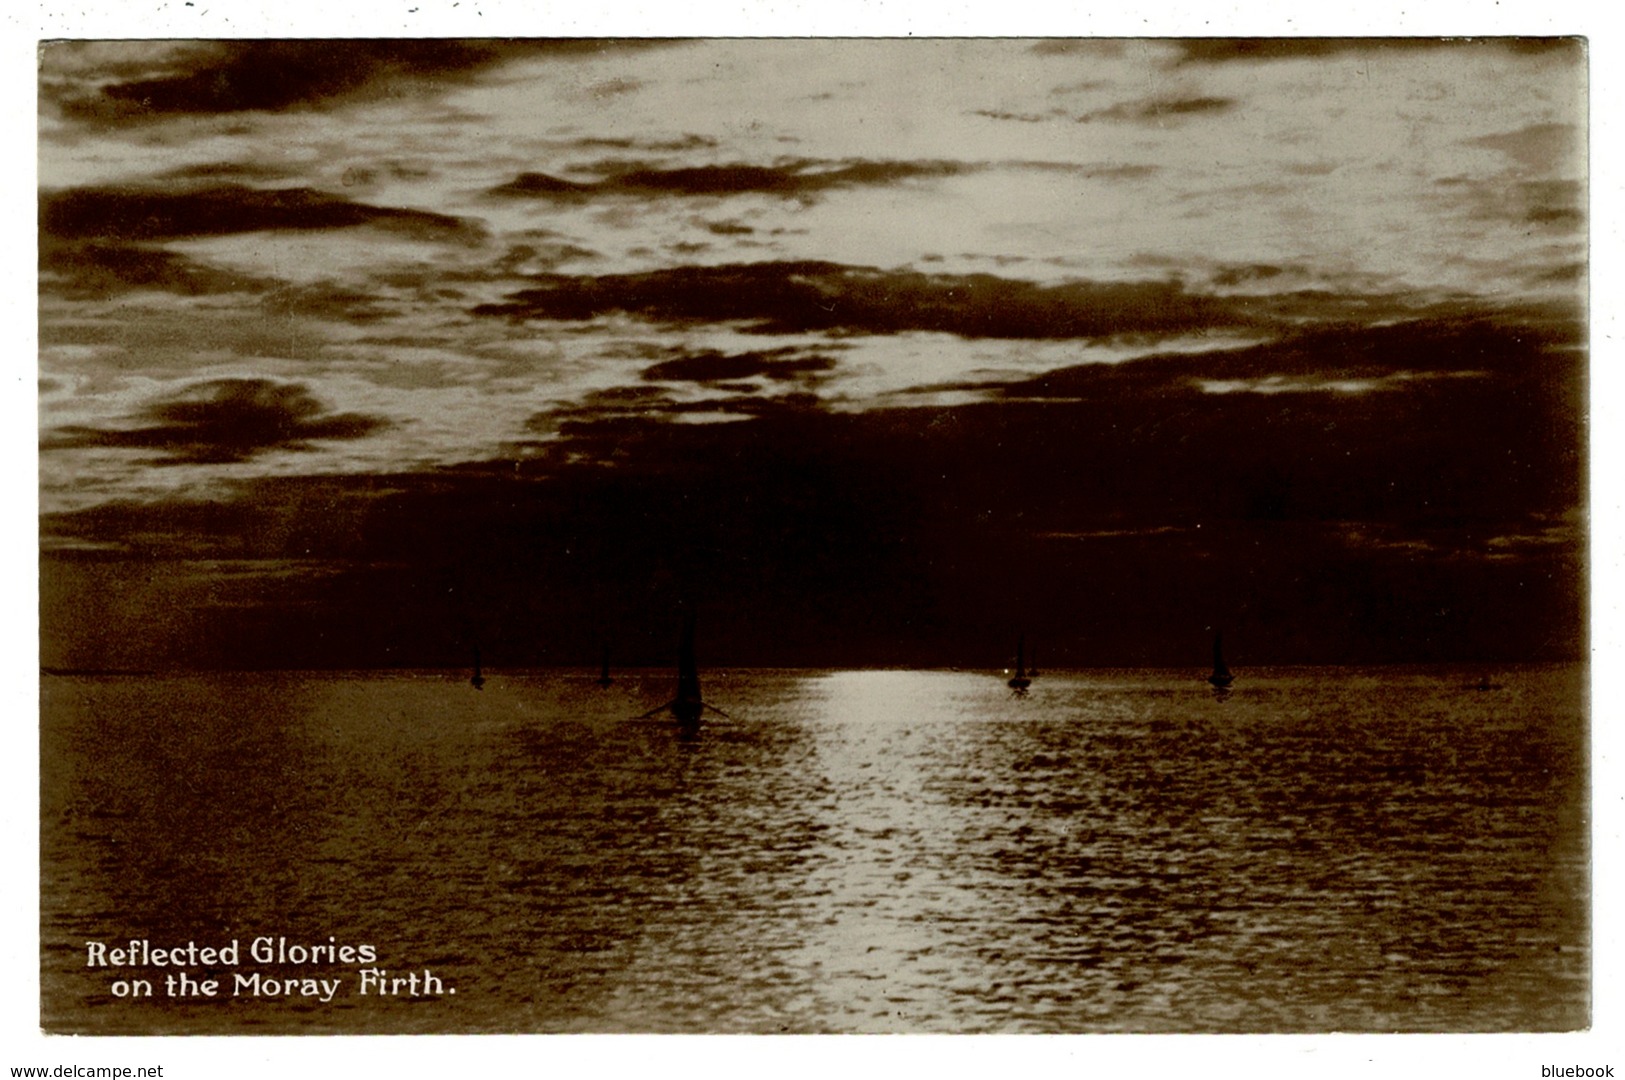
{"x": 1221, "y": 674}
{"x": 688, "y": 706}
{"x": 1020, "y": 681}
{"x": 688, "y": 670}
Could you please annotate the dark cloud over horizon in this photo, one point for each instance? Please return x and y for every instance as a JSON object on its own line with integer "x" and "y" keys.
{"x": 1114, "y": 510}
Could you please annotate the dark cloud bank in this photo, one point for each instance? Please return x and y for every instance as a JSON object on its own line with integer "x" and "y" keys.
{"x": 1159, "y": 110}
{"x": 792, "y": 297}
{"x": 220, "y": 421}
{"x": 98, "y": 241}
{"x": 1112, "y": 513}
{"x": 241, "y": 76}
{"x": 1232, "y": 50}
{"x": 113, "y": 214}
{"x": 796, "y": 178}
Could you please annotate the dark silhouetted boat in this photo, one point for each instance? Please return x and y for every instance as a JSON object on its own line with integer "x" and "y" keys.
{"x": 1221, "y": 676}
{"x": 603, "y": 672}
{"x": 688, "y": 706}
{"x": 1020, "y": 681}
{"x": 478, "y": 681}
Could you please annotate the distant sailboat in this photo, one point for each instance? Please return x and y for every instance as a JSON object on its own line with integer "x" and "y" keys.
{"x": 603, "y": 674}
{"x": 478, "y": 681}
{"x": 1020, "y": 681}
{"x": 1221, "y": 676}
{"x": 688, "y": 706}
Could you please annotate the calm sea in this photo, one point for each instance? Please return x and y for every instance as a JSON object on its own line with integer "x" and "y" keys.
{"x": 846, "y": 851}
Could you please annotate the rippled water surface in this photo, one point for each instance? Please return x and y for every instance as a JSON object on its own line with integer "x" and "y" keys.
{"x": 1320, "y": 850}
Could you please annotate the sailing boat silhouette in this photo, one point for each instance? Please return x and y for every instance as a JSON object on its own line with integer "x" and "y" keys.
{"x": 1221, "y": 676}
{"x": 478, "y": 681}
{"x": 1020, "y": 681}
{"x": 688, "y": 706}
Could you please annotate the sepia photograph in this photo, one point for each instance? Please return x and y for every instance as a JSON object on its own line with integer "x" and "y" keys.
{"x": 814, "y": 535}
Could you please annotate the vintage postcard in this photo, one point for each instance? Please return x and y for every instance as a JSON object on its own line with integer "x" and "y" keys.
{"x": 812, "y": 535}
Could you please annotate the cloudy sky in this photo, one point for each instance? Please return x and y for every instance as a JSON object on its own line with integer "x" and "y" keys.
{"x": 875, "y": 352}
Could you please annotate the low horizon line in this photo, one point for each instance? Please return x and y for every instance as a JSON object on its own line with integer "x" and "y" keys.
{"x": 56, "y": 671}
